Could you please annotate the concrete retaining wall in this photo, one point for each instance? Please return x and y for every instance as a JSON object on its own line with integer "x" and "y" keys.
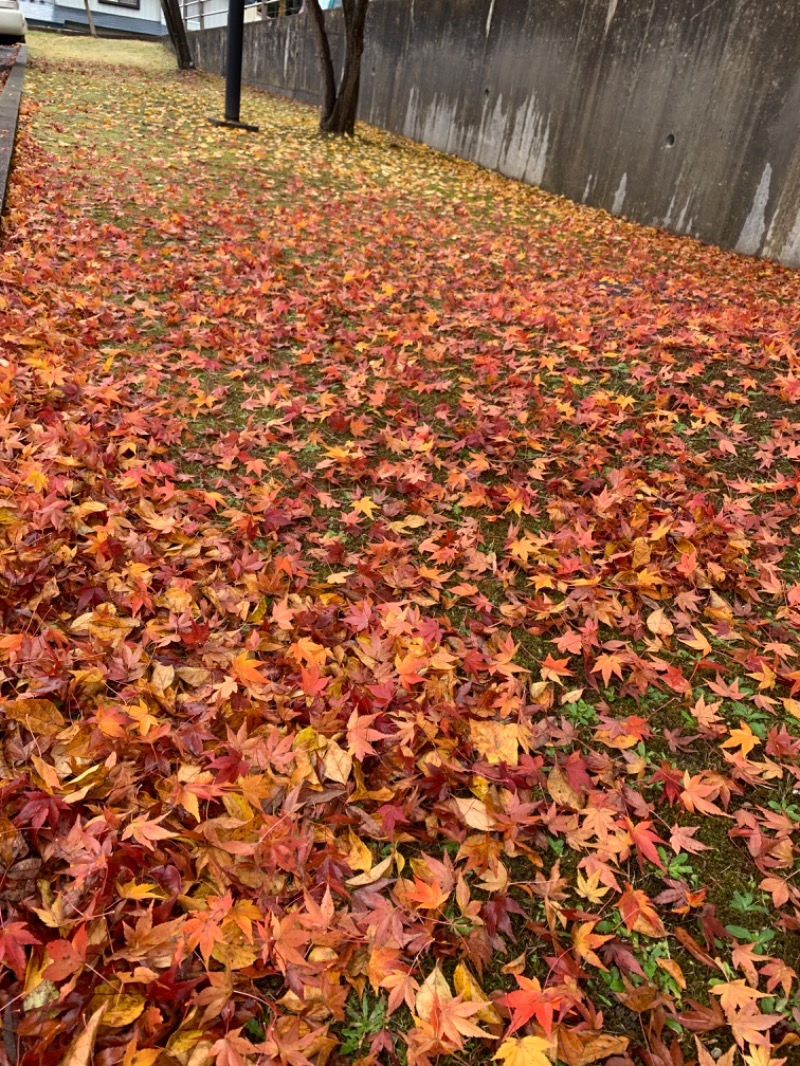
{"x": 10, "y": 99}
{"x": 683, "y": 114}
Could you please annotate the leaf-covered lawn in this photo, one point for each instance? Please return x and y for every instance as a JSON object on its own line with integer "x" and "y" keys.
{"x": 400, "y": 597}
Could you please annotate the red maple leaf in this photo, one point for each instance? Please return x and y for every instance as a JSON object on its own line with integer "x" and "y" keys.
{"x": 645, "y": 841}
{"x": 14, "y": 937}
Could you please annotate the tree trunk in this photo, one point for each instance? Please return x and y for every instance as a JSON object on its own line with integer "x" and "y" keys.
{"x": 90, "y": 18}
{"x": 177, "y": 34}
{"x": 317, "y": 20}
{"x": 339, "y": 104}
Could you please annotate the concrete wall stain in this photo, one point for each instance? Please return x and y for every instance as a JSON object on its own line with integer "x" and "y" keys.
{"x": 697, "y": 107}
{"x": 612, "y": 10}
{"x": 755, "y": 225}
{"x": 790, "y": 250}
{"x": 619, "y": 196}
{"x": 489, "y": 18}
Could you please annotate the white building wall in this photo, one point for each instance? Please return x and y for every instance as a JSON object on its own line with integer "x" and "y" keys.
{"x": 146, "y": 9}
{"x": 37, "y": 10}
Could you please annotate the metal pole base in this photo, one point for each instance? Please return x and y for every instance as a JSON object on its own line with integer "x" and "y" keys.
{"x": 230, "y": 125}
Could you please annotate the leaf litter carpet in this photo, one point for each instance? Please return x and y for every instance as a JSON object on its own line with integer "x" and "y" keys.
{"x": 400, "y": 596}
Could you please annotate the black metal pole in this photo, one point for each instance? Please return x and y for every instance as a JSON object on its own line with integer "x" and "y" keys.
{"x": 233, "y": 69}
{"x": 233, "y": 72}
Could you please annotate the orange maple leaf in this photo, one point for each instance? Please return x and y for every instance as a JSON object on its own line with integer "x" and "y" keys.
{"x": 451, "y": 1020}
{"x": 146, "y": 832}
{"x": 245, "y": 670}
{"x": 585, "y": 941}
{"x": 360, "y": 735}
{"x": 639, "y": 914}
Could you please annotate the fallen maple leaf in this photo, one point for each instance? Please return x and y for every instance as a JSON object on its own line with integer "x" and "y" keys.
{"x": 471, "y": 992}
{"x": 589, "y": 887}
{"x": 639, "y": 914}
{"x": 585, "y": 941}
{"x": 645, "y": 840}
{"x": 360, "y": 735}
{"x": 562, "y": 791}
{"x": 742, "y": 738}
{"x": 147, "y": 832}
{"x": 736, "y": 995}
{"x": 79, "y": 1052}
{"x": 705, "y": 1058}
{"x": 682, "y": 838}
{"x": 659, "y": 625}
{"x": 525, "y": 1051}
{"x": 434, "y": 989}
{"x": 245, "y": 670}
{"x": 14, "y": 937}
{"x": 450, "y": 1020}
{"x": 530, "y": 1001}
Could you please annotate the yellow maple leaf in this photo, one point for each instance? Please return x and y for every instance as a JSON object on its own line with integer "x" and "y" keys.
{"x": 525, "y": 1051}
{"x": 135, "y": 1056}
{"x": 471, "y": 992}
{"x": 433, "y": 989}
{"x": 743, "y": 738}
{"x": 359, "y": 856}
{"x": 697, "y": 641}
{"x": 365, "y": 506}
{"x": 659, "y": 625}
{"x": 37, "y": 479}
{"x": 521, "y": 548}
{"x": 147, "y": 890}
{"x": 590, "y": 887}
{"x": 496, "y": 741}
{"x": 755, "y": 1056}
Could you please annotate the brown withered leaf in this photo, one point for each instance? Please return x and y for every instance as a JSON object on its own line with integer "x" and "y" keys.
{"x": 40, "y": 717}
{"x": 562, "y": 791}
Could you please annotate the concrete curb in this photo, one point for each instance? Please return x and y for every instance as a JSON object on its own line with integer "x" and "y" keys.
{"x": 10, "y": 99}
